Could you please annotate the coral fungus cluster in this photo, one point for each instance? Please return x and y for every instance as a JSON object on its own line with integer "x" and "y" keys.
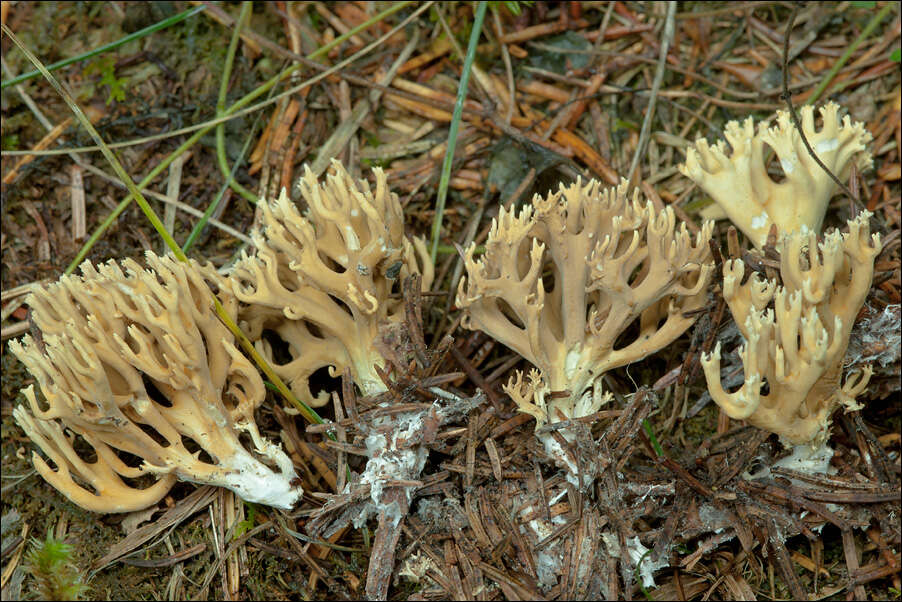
{"x": 797, "y": 347}
{"x": 322, "y": 281}
{"x": 741, "y": 186}
{"x": 143, "y": 385}
{"x": 561, "y": 282}
{"x": 135, "y": 364}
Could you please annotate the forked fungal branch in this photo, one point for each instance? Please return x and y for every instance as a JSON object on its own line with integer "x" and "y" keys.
{"x": 797, "y": 347}
{"x": 738, "y": 181}
{"x": 323, "y": 281}
{"x": 563, "y": 280}
{"x": 136, "y": 364}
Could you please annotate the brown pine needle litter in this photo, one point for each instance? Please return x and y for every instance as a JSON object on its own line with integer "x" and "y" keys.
{"x": 428, "y": 483}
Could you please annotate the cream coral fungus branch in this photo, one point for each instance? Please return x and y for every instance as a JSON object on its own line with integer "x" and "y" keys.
{"x": 739, "y": 183}
{"x": 797, "y": 346}
{"x": 135, "y": 364}
{"x": 323, "y": 282}
{"x": 135, "y": 192}
{"x": 562, "y": 281}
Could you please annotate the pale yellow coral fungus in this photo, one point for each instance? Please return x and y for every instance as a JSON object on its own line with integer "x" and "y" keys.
{"x": 739, "y": 183}
{"x": 797, "y": 347}
{"x": 563, "y": 280}
{"x": 136, "y": 364}
{"x": 323, "y": 281}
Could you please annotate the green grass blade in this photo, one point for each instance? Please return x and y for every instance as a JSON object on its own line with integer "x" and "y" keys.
{"x": 106, "y": 47}
{"x": 155, "y": 221}
{"x": 455, "y": 125}
{"x": 221, "y": 158}
{"x": 834, "y": 69}
{"x": 651, "y": 436}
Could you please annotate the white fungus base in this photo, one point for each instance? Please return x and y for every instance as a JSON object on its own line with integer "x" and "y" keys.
{"x": 387, "y": 463}
{"x": 548, "y": 559}
{"x": 563, "y": 460}
{"x": 638, "y": 555}
{"x": 807, "y": 459}
{"x": 253, "y": 481}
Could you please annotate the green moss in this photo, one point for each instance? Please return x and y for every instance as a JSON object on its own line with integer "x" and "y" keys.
{"x": 50, "y": 564}
{"x": 701, "y": 426}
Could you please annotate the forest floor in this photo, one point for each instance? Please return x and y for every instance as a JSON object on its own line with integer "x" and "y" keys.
{"x": 592, "y": 98}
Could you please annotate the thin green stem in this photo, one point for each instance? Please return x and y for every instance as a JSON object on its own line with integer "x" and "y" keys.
{"x": 111, "y": 46}
{"x": 95, "y": 236}
{"x": 865, "y": 33}
{"x": 365, "y": 25}
{"x": 651, "y": 436}
{"x": 221, "y": 106}
{"x": 306, "y": 411}
{"x": 155, "y": 221}
{"x": 455, "y": 125}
